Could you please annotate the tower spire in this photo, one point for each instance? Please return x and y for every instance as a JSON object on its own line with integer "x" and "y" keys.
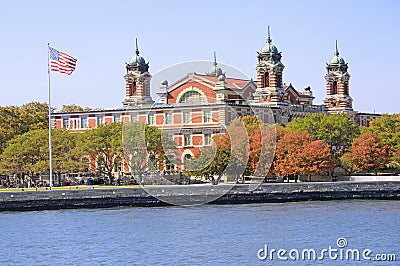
{"x": 215, "y": 70}
{"x": 336, "y": 50}
{"x": 137, "y": 49}
{"x": 269, "y": 36}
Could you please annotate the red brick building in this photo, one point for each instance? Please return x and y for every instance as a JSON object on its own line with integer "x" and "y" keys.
{"x": 198, "y": 106}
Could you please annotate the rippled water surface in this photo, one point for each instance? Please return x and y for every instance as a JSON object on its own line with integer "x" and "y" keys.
{"x": 201, "y": 235}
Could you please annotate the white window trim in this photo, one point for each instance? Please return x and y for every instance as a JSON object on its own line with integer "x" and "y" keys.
{"x": 171, "y": 118}
{"x": 191, "y": 88}
{"x": 151, "y": 121}
{"x": 66, "y": 125}
{"x": 184, "y": 142}
{"x": 210, "y": 139}
{"x": 134, "y": 117}
{"x": 100, "y": 120}
{"x": 207, "y": 116}
{"x": 183, "y": 117}
{"x": 117, "y": 118}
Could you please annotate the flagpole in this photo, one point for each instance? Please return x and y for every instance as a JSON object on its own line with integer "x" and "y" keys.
{"x": 50, "y": 147}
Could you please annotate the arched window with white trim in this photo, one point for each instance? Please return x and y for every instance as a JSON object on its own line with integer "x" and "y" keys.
{"x": 192, "y": 97}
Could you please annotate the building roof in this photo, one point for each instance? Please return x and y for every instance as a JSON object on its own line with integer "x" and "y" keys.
{"x": 232, "y": 83}
{"x": 336, "y": 59}
{"x": 210, "y": 81}
{"x": 215, "y": 70}
{"x": 269, "y": 47}
{"x": 137, "y": 60}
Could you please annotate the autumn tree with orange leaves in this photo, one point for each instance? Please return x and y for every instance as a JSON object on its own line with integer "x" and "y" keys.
{"x": 369, "y": 153}
{"x": 315, "y": 158}
{"x": 247, "y": 148}
{"x": 298, "y": 153}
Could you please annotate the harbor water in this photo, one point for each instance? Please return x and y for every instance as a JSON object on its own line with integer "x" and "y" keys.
{"x": 204, "y": 235}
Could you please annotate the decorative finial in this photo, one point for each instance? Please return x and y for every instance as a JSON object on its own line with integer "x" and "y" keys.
{"x": 137, "y": 49}
{"x": 336, "y": 50}
{"x": 269, "y": 36}
{"x": 215, "y": 58}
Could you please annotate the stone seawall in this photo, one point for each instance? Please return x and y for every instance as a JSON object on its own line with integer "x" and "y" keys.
{"x": 239, "y": 194}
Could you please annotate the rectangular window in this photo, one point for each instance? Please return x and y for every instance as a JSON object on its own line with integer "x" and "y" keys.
{"x": 100, "y": 120}
{"x": 261, "y": 115}
{"x": 207, "y": 116}
{"x": 151, "y": 119}
{"x": 65, "y": 123}
{"x": 134, "y": 117}
{"x": 207, "y": 139}
{"x": 53, "y": 123}
{"x": 186, "y": 140}
{"x": 234, "y": 115}
{"x": 186, "y": 117}
{"x": 84, "y": 122}
{"x": 117, "y": 118}
{"x": 75, "y": 123}
{"x": 168, "y": 118}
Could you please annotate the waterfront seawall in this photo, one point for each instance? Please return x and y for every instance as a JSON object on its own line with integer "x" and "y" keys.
{"x": 239, "y": 194}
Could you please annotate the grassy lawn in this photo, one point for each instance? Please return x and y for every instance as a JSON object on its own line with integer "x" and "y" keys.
{"x": 80, "y": 187}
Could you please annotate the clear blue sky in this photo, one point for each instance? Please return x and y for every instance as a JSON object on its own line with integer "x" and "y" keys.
{"x": 101, "y": 35}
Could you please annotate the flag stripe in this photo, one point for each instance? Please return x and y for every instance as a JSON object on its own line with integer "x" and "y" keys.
{"x": 61, "y": 62}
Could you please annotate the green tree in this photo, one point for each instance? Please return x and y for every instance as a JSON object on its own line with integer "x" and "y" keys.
{"x": 347, "y": 163}
{"x": 16, "y": 120}
{"x": 23, "y": 154}
{"x": 10, "y": 124}
{"x": 73, "y": 108}
{"x": 395, "y": 160}
{"x": 159, "y": 145}
{"x": 146, "y": 148}
{"x": 29, "y": 153}
{"x": 135, "y": 149}
{"x": 337, "y": 131}
{"x": 67, "y": 157}
{"x": 388, "y": 129}
{"x": 103, "y": 144}
{"x": 34, "y": 115}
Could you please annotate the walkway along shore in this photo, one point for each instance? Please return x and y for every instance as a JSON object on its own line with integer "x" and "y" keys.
{"x": 239, "y": 194}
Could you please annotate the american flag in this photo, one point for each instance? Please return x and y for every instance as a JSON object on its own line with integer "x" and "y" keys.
{"x": 61, "y": 62}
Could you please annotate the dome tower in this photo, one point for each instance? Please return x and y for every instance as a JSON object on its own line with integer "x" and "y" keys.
{"x": 137, "y": 80}
{"x": 269, "y": 74}
{"x": 215, "y": 70}
{"x": 337, "y": 78}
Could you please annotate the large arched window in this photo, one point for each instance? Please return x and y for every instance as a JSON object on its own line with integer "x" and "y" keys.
{"x": 187, "y": 158}
{"x": 192, "y": 97}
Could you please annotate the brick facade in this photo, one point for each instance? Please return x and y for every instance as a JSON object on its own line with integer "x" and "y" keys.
{"x": 204, "y": 104}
